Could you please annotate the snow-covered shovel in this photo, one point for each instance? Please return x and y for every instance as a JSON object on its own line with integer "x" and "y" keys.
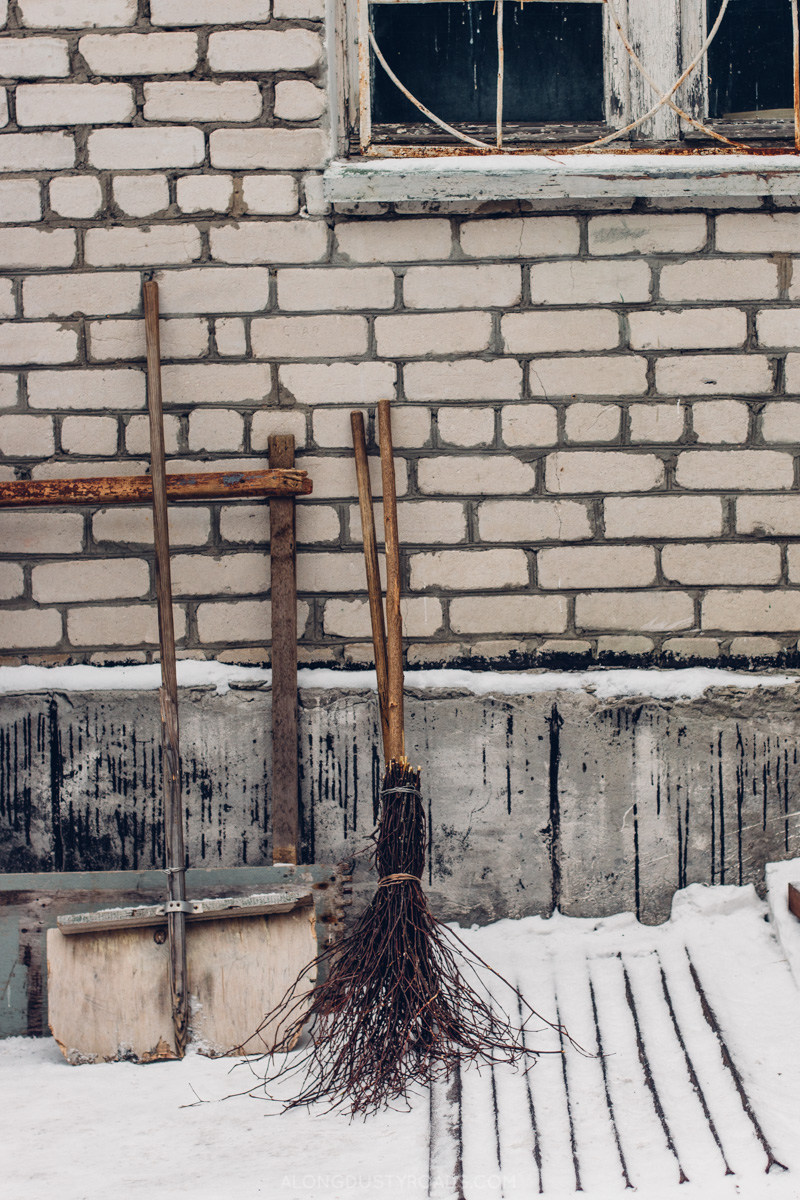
{"x": 121, "y": 980}
{"x": 405, "y": 1001}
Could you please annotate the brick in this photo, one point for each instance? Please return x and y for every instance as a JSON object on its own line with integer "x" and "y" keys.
{"x": 298, "y": 100}
{"x": 230, "y": 336}
{"x": 214, "y": 289}
{"x": 142, "y": 246}
{"x": 314, "y": 290}
{"x": 768, "y": 516}
{"x": 207, "y": 12}
{"x": 793, "y": 373}
{"x": 650, "y": 611}
{"x": 602, "y": 471}
{"x": 792, "y": 559}
{"x": 33, "y": 58}
{"x": 780, "y": 422}
{"x": 335, "y": 479}
{"x": 463, "y": 379}
{"x": 477, "y": 570}
{"x": 76, "y": 195}
{"x": 466, "y": 426}
{"x": 269, "y": 242}
{"x": 90, "y": 292}
{"x": 586, "y": 422}
{"x": 662, "y": 516}
{"x": 486, "y": 285}
{"x": 39, "y": 343}
{"x": 12, "y": 582}
{"x": 625, "y": 233}
{"x": 337, "y": 383}
{"x": 751, "y": 610}
{"x": 3, "y": 107}
{"x": 216, "y": 429}
{"x": 418, "y": 336}
{"x": 332, "y": 427}
{"x": 508, "y": 614}
{"x": 20, "y": 200}
{"x": 779, "y": 327}
{"x": 719, "y": 279}
{"x": 520, "y": 237}
{"x": 755, "y": 647}
{"x": 277, "y": 420}
{"x": 596, "y": 567}
{"x": 656, "y": 422}
{"x": 8, "y": 390}
{"x": 31, "y": 627}
{"x": 758, "y": 233}
{"x": 420, "y": 522}
{"x": 393, "y": 241}
{"x": 78, "y": 14}
{"x": 712, "y": 374}
{"x": 422, "y": 617}
{"x": 199, "y": 193}
{"x": 41, "y": 532}
{"x": 21, "y": 247}
{"x": 625, "y": 645}
{"x": 533, "y": 521}
{"x": 74, "y": 103}
{"x": 89, "y": 435}
{"x": 36, "y": 151}
{"x": 23, "y": 436}
{"x": 529, "y": 425}
{"x": 126, "y": 625}
{"x": 411, "y": 427}
{"x": 721, "y": 421}
{"x": 697, "y": 563}
{"x": 278, "y": 149}
{"x": 618, "y": 375}
{"x": 143, "y": 149}
{"x": 141, "y": 195}
{"x": 275, "y": 195}
{"x": 689, "y": 329}
{"x": 249, "y": 523}
{"x": 299, "y": 10}
{"x": 137, "y": 434}
{"x": 255, "y": 51}
{"x": 126, "y": 339}
{"x": 114, "y": 468}
{"x": 309, "y": 337}
{"x": 139, "y": 53}
{"x": 735, "y": 470}
{"x": 188, "y": 525}
{"x": 90, "y": 579}
{"x": 240, "y": 621}
{"x": 7, "y": 301}
{"x": 545, "y": 332}
{"x": 689, "y": 648}
{"x": 202, "y": 100}
{"x": 226, "y": 575}
{"x": 336, "y": 571}
{"x": 465, "y": 475}
{"x": 217, "y": 383}
{"x": 90, "y": 389}
{"x": 590, "y": 283}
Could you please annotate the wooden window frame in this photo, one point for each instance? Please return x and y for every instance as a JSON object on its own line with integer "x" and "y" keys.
{"x": 665, "y": 34}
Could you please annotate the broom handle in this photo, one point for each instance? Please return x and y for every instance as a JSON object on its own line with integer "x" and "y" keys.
{"x": 394, "y": 625}
{"x": 373, "y": 572}
{"x": 168, "y": 693}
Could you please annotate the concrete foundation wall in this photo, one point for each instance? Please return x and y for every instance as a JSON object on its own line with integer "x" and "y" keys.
{"x": 552, "y": 800}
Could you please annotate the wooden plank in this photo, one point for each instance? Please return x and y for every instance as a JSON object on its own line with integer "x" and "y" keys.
{"x": 794, "y": 899}
{"x": 135, "y": 489}
{"x": 394, "y": 624}
{"x": 143, "y": 916}
{"x": 283, "y": 590}
{"x": 168, "y": 692}
{"x": 253, "y": 960}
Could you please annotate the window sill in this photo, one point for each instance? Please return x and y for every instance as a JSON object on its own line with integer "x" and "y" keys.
{"x": 554, "y": 176}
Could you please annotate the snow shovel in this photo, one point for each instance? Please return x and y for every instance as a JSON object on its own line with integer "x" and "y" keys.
{"x": 120, "y": 981}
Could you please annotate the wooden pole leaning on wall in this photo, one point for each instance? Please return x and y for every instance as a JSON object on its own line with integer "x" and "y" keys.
{"x": 394, "y": 624}
{"x": 168, "y": 693}
{"x": 283, "y": 587}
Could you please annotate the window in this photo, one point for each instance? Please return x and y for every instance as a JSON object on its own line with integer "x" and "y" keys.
{"x": 460, "y": 76}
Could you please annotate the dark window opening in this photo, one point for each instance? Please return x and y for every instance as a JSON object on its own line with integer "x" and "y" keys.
{"x": 446, "y": 55}
{"x": 750, "y": 60}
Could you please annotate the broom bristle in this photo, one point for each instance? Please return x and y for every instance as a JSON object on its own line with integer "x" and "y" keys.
{"x": 395, "y": 1009}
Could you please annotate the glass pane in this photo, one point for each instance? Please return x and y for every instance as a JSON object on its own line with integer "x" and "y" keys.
{"x": 446, "y": 55}
{"x": 750, "y": 59}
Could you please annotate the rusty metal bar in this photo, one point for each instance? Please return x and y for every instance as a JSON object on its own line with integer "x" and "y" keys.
{"x": 796, "y": 58}
{"x": 501, "y": 66}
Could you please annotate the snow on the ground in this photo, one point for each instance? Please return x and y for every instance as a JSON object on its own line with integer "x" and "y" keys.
{"x": 683, "y": 683}
{"x": 85, "y": 1133}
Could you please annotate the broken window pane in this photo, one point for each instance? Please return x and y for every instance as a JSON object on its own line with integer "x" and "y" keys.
{"x": 750, "y": 60}
{"x": 446, "y": 55}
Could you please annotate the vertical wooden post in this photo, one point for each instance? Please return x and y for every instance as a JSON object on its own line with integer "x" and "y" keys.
{"x": 285, "y": 817}
{"x": 168, "y": 693}
{"x": 394, "y": 624}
